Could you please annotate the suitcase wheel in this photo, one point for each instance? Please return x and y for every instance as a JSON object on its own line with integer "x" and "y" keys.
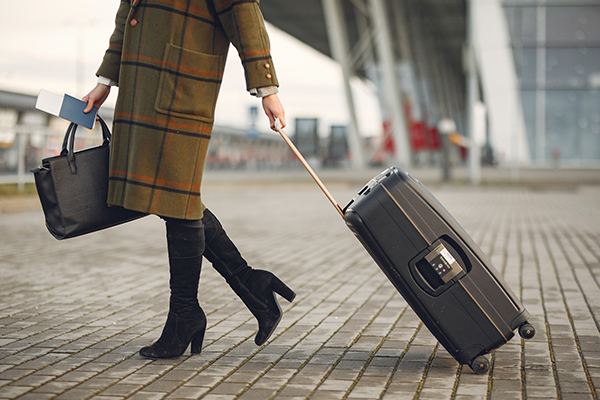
{"x": 527, "y": 331}
{"x": 480, "y": 365}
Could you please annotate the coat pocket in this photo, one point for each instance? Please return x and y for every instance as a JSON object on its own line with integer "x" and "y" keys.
{"x": 189, "y": 83}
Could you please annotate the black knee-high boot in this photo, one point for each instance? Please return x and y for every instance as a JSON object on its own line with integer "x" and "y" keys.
{"x": 186, "y": 321}
{"x": 255, "y": 287}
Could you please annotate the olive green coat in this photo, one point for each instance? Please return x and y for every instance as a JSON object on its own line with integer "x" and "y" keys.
{"x": 168, "y": 57}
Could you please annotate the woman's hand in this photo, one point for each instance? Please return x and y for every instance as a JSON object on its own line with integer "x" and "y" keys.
{"x": 96, "y": 97}
{"x": 274, "y": 109}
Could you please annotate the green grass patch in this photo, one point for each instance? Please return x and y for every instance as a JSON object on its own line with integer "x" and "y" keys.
{"x": 12, "y": 190}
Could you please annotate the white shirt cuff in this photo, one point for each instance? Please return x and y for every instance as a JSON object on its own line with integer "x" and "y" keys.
{"x": 106, "y": 81}
{"x": 264, "y": 91}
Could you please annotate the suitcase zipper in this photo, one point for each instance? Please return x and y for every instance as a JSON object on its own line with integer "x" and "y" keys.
{"x": 482, "y": 310}
{"x": 429, "y": 243}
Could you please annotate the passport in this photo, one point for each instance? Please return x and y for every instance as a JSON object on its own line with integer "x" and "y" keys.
{"x": 67, "y": 107}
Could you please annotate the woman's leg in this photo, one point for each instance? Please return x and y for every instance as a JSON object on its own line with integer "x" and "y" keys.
{"x": 255, "y": 287}
{"x": 186, "y": 322}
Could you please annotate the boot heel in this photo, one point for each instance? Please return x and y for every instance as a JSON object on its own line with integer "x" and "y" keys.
{"x": 197, "y": 342}
{"x": 282, "y": 289}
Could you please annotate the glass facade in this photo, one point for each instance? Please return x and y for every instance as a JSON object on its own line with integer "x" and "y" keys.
{"x": 557, "y": 54}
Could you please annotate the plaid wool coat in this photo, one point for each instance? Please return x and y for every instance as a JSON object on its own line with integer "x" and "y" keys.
{"x": 168, "y": 57}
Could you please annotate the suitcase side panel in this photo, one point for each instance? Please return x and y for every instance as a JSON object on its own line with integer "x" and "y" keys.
{"x": 424, "y": 208}
{"x": 461, "y": 316}
{"x": 421, "y": 191}
{"x": 453, "y": 323}
{"x": 415, "y": 298}
{"x": 487, "y": 276}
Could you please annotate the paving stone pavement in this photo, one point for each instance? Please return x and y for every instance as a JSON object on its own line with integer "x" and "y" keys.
{"x": 73, "y": 314}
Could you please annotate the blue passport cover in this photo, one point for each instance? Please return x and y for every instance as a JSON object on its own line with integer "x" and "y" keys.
{"x": 72, "y": 110}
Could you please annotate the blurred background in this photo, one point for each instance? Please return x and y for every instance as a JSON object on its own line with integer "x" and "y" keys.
{"x": 451, "y": 89}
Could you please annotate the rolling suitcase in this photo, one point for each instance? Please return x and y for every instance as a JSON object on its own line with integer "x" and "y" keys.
{"x": 434, "y": 264}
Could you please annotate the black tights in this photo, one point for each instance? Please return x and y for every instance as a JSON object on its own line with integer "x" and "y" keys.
{"x": 190, "y": 223}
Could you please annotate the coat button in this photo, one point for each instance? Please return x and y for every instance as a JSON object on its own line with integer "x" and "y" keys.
{"x": 267, "y": 65}
{"x": 133, "y": 22}
{"x": 268, "y": 76}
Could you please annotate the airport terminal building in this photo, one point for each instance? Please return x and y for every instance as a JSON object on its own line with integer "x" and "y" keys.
{"x": 520, "y": 79}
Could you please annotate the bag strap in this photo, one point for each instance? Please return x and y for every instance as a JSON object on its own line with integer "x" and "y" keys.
{"x": 64, "y": 150}
{"x": 308, "y": 168}
{"x": 69, "y": 142}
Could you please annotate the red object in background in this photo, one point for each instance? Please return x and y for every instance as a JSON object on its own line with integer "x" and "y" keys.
{"x": 415, "y": 130}
{"x": 388, "y": 144}
{"x": 433, "y": 139}
{"x": 421, "y": 137}
{"x": 417, "y": 136}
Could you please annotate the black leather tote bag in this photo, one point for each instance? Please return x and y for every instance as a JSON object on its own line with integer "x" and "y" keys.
{"x": 73, "y": 188}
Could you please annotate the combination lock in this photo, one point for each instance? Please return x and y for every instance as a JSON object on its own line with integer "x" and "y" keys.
{"x": 443, "y": 263}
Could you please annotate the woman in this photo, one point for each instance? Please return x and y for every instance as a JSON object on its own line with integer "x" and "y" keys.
{"x": 168, "y": 58}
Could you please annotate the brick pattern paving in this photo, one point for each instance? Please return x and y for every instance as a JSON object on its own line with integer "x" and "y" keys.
{"x": 73, "y": 314}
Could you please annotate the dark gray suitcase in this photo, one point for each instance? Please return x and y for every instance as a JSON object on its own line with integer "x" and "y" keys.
{"x": 438, "y": 269}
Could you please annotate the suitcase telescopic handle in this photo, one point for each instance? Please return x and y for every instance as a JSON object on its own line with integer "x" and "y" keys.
{"x": 308, "y": 167}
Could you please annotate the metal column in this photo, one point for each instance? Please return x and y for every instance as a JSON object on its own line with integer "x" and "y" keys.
{"x": 336, "y": 32}
{"x": 408, "y": 79}
{"x": 540, "y": 93}
{"x": 472, "y": 99}
{"x": 385, "y": 50}
{"x": 425, "y": 71}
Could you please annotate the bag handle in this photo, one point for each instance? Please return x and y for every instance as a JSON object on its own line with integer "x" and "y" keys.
{"x": 69, "y": 142}
{"x": 308, "y": 167}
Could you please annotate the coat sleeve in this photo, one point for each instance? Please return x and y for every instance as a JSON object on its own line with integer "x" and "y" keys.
{"x": 244, "y": 25}
{"x": 112, "y": 58}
